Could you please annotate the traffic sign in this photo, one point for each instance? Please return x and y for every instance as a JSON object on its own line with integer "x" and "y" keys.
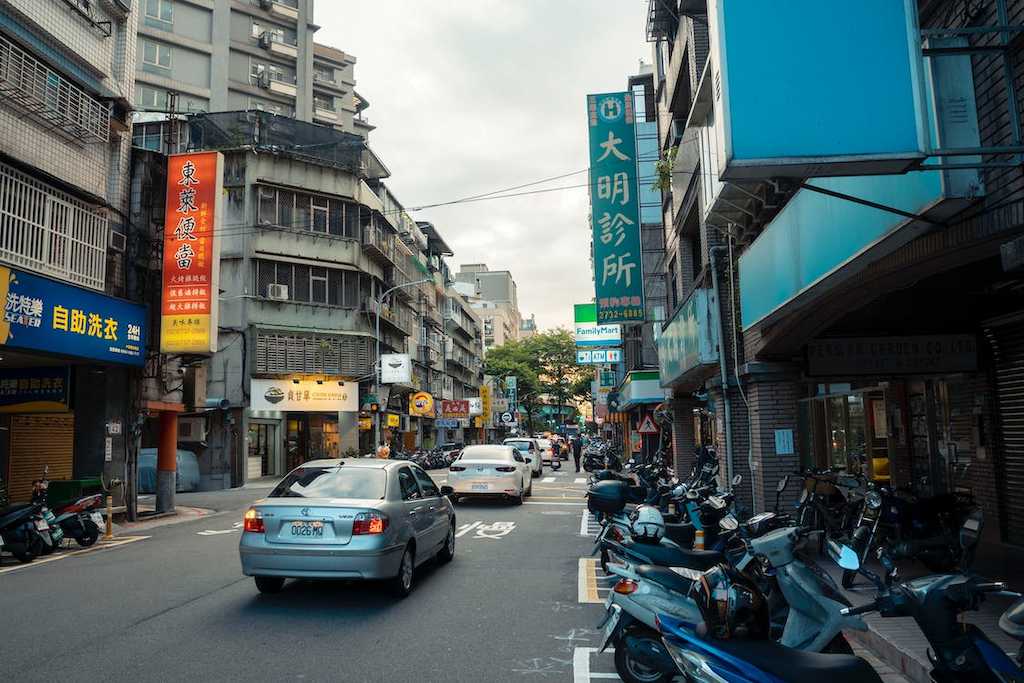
{"x": 507, "y": 418}
{"x": 647, "y": 426}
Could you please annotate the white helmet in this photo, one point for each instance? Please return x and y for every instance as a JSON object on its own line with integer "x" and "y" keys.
{"x": 647, "y": 524}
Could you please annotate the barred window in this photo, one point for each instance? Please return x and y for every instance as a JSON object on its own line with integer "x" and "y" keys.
{"x": 301, "y": 211}
{"x": 310, "y": 284}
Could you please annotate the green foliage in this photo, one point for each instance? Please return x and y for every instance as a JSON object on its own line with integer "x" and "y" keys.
{"x": 663, "y": 170}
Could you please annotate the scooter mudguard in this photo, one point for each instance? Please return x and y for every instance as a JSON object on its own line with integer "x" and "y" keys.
{"x": 996, "y": 660}
{"x": 650, "y": 653}
{"x": 614, "y": 621}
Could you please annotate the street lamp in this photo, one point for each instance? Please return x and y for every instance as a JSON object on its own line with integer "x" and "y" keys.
{"x": 379, "y": 302}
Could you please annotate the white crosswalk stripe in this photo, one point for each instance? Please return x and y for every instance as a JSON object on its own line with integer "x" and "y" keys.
{"x": 579, "y": 480}
{"x": 547, "y": 480}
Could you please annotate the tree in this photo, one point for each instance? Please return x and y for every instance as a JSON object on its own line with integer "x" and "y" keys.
{"x": 513, "y": 358}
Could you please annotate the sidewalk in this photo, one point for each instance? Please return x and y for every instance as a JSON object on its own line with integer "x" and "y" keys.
{"x": 899, "y": 642}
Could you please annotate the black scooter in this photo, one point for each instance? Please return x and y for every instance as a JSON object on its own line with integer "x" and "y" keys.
{"x": 23, "y": 531}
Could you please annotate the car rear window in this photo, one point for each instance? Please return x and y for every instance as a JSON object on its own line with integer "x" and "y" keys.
{"x": 492, "y": 453}
{"x": 332, "y": 482}
{"x": 519, "y": 445}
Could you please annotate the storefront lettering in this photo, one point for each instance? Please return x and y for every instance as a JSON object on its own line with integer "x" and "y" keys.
{"x": 931, "y": 354}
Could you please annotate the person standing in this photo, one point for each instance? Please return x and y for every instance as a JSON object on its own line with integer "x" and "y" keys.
{"x": 383, "y": 450}
{"x": 577, "y": 451}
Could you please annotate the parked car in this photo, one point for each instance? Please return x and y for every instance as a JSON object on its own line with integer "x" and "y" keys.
{"x": 530, "y": 450}
{"x": 491, "y": 471}
{"x": 348, "y": 519}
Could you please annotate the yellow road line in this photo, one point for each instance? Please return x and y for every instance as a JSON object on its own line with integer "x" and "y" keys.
{"x": 100, "y": 545}
{"x": 589, "y": 567}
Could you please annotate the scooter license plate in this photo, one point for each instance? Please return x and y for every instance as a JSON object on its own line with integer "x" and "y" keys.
{"x": 97, "y": 519}
{"x": 597, "y": 541}
{"x": 611, "y": 622}
{"x": 41, "y": 525}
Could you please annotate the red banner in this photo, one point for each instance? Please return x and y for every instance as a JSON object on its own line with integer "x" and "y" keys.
{"x": 191, "y": 262}
{"x": 455, "y": 409}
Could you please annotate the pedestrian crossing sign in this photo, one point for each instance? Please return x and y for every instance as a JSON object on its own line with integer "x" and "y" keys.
{"x": 647, "y": 426}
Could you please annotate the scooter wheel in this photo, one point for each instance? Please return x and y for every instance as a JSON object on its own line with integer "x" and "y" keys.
{"x": 632, "y": 671}
{"x": 91, "y": 535}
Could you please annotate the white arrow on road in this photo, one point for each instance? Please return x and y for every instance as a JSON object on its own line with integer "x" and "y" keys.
{"x": 215, "y": 532}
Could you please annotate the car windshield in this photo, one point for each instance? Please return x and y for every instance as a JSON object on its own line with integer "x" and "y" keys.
{"x": 519, "y": 445}
{"x": 485, "y": 453}
{"x": 332, "y": 482}
{"x": 544, "y": 443}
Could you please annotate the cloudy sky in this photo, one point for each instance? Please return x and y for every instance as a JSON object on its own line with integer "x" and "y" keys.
{"x": 471, "y": 96}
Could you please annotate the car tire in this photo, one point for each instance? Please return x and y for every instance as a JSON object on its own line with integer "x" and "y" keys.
{"x": 402, "y": 584}
{"x": 447, "y": 552}
{"x": 518, "y": 500}
{"x": 534, "y": 474}
{"x": 269, "y": 584}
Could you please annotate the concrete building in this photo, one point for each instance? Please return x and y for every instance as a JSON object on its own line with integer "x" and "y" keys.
{"x": 528, "y": 327}
{"x": 73, "y": 336}
{"x": 496, "y": 301}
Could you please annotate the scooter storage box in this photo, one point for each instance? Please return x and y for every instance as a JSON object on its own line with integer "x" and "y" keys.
{"x": 608, "y": 496}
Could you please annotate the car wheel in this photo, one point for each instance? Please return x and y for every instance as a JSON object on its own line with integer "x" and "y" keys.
{"x": 406, "y": 568}
{"x": 534, "y": 473}
{"x": 448, "y": 551}
{"x": 518, "y": 500}
{"x": 269, "y": 584}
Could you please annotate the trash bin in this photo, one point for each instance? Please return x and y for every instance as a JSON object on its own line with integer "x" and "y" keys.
{"x": 67, "y": 490}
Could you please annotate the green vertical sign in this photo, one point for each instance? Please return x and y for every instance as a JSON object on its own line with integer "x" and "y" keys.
{"x": 615, "y": 209}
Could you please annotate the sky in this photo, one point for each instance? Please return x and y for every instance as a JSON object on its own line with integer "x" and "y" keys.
{"x": 470, "y": 96}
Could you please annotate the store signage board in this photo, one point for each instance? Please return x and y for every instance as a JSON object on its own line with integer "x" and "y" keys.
{"x": 421, "y": 404}
{"x": 395, "y": 368}
{"x": 455, "y": 409}
{"x": 191, "y": 258}
{"x": 500, "y": 405}
{"x": 598, "y": 356}
{"x": 933, "y": 354}
{"x": 784, "y": 442}
{"x": 393, "y": 420}
{"x": 447, "y": 423}
{"x": 45, "y": 315}
{"x": 285, "y": 395}
{"x": 615, "y": 208}
{"x": 589, "y": 333}
{"x": 487, "y": 403}
{"x": 34, "y": 390}
{"x": 476, "y": 406}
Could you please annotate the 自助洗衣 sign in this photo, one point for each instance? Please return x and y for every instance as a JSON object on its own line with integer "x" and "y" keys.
{"x": 589, "y": 333}
{"x": 191, "y": 262}
{"x": 33, "y": 390}
{"x": 287, "y": 395}
{"x": 45, "y": 315}
{"x": 615, "y": 208}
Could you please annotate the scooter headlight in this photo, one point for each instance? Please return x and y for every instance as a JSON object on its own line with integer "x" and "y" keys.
{"x": 694, "y": 665}
{"x": 873, "y": 499}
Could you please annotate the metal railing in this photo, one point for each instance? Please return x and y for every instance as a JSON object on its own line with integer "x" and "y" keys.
{"x": 379, "y": 243}
{"x": 399, "y": 317}
{"x": 50, "y": 98}
{"x": 47, "y": 231}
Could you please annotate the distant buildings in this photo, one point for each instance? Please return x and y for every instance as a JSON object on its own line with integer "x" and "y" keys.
{"x": 495, "y": 299}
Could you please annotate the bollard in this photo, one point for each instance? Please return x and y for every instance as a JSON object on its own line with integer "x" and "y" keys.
{"x": 110, "y": 519}
{"x": 698, "y": 540}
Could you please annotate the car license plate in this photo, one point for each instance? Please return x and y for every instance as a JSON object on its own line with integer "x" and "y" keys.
{"x": 610, "y": 624}
{"x": 480, "y": 487}
{"x": 41, "y": 525}
{"x": 97, "y": 519}
{"x": 312, "y": 529}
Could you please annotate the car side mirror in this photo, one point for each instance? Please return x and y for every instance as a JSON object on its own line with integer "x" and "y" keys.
{"x": 447, "y": 490}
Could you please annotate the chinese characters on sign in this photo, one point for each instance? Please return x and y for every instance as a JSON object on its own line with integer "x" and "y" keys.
{"x": 457, "y": 409}
{"x": 615, "y": 209}
{"x": 188, "y": 321}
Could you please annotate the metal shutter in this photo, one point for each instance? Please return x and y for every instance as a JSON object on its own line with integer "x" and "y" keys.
{"x": 1008, "y": 351}
{"x": 38, "y": 441}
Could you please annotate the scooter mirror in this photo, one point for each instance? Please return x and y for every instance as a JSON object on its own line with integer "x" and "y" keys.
{"x": 737, "y": 479}
{"x": 843, "y": 555}
{"x": 782, "y": 484}
{"x": 970, "y": 532}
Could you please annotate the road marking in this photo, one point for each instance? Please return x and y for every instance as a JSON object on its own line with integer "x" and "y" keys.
{"x": 553, "y": 503}
{"x": 579, "y": 480}
{"x": 100, "y": 545}
{"x": 547, "y": 480}
{"x": 581, "y": 664}
{"x": 466, "y": 528}
{"x": 586, "y": 588}
{"x": 215, "y": 532}
{"x": 555, "y": 512}
{"x": 585, "y": 523}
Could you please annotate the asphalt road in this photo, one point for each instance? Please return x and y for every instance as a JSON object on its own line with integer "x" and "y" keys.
{"x": 175, "y": 607}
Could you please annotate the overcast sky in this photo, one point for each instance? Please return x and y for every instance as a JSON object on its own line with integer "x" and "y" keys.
{"x": 471, "y": 96}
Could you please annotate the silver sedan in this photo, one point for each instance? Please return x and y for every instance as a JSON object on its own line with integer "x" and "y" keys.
{"x": 348, "y": 519}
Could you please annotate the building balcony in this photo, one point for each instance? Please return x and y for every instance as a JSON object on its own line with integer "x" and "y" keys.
{"x": 282, "y": 86}
{"x": 379, "y": 245}
{"x": 688, "y": 344}
{"x": 428, "y": 355}
{"x": 328, "y": 115}
{"x": 49, "y": 98}
{"x": 49, "y": 232}
{"x": 281, "y": 10}
{"x": 400, "y": 318}
{"x": 273, "y": 44}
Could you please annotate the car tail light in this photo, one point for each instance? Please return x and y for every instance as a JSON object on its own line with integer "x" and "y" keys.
{"x": 505, "y": 469}
{"x": 253, "y": 521}
{"x": 456, "y": 468}
{"x": 625, "y": 587}
{"x": 369, "y": 523}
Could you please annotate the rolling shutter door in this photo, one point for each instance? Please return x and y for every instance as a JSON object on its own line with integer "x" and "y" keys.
{"x": 38, "y": 441}
{"x": 1008, "y": 350}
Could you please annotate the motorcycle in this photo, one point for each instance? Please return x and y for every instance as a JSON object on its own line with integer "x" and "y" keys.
{"x": 960, "y": 651}
{"x": 39, "y": 499}
{"x": 23, "y": 531}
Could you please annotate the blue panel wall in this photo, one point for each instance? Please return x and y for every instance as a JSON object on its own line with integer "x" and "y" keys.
{"x": 797, "y": 71}
{"x": 815, "y": 234}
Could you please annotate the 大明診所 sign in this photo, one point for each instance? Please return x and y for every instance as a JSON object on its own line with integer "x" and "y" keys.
{"x": 615, "y": 208}
{"x": 288, "y": 395}
{"x": 191, "y": 263}
{"x": 45, "y": 315}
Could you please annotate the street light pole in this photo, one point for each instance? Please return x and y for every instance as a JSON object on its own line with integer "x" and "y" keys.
{"x": 377, "y": 365}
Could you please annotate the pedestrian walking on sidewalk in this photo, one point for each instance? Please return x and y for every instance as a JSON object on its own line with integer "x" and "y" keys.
{"x": 577, "y": 450}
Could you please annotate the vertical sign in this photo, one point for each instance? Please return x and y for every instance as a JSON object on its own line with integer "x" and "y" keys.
{"x": 191, "y": 263}
{"x": 488, "y": 408}
{"x": 615, "y": 209}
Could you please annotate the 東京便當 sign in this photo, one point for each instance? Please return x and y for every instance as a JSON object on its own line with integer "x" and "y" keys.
{"x": 615, "y": 209}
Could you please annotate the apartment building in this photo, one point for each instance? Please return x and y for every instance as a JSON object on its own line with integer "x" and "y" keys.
{"x": 495, "y": 299}
{"x": 74, "y": 337}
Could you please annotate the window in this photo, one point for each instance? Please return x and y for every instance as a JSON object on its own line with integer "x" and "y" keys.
{"x": 323, "y": 102}
{"x": 318, "y": 285}
{"x": 407, "y": 484}
{"x": 323, "y": 73}
{"x": 301, "y": 211}
{"x": 151, "y": 98}
{"x": 427, "y": 484}
{"x": 160, "y": 10}
{"x": 332, "y": 482}
{"x": 673, "y": 284}
{"x": 156, "y": 55}
{"x": 148, "y": 135}
{"x": 267, "y": 206}
{"x": 321, "y": 214}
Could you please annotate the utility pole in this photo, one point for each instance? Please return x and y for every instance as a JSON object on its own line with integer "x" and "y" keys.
{"x": 379, "y": 302}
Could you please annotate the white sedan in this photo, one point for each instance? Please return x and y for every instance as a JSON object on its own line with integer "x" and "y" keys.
{"x": 530, "y": 450}
{"x": 545, "y": 451}
{"x": 491, "y": 471}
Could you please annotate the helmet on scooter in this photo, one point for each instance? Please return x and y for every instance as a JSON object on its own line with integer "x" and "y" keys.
{"x": 646, "y": 524}
{"x": 731, "y": 605}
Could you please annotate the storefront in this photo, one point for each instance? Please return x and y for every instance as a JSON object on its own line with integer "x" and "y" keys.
{"x": 422, "y": 412}
{"x": 292, "y": 421}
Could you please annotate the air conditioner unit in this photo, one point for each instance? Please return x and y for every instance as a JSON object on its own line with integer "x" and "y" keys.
{"x": 277, "y": 292}
{"x": 192, "y": 429}
{"x": 263, "y": 80}
{"x": 118, "y": 240}
{"x": 266, "y": 4}
{"x": 265, "y": 40}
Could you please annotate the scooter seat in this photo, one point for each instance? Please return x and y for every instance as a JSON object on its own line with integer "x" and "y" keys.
{"x": 681, "y": 533}
{"x": 10, "y": 513}
{"x": 798, "y": 666}
{"x": 1012, "y": 620}
{"x": 668, "y": 554}
{"x": 663, "y": 576}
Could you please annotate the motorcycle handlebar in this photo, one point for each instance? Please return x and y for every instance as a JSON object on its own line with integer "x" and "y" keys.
{"x": 860, "y": 609}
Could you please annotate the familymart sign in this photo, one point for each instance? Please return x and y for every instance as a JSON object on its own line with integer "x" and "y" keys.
{"x": 589, "y": 332}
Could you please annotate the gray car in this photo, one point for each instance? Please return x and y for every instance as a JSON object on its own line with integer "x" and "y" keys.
{"x": 348, "y": 519}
